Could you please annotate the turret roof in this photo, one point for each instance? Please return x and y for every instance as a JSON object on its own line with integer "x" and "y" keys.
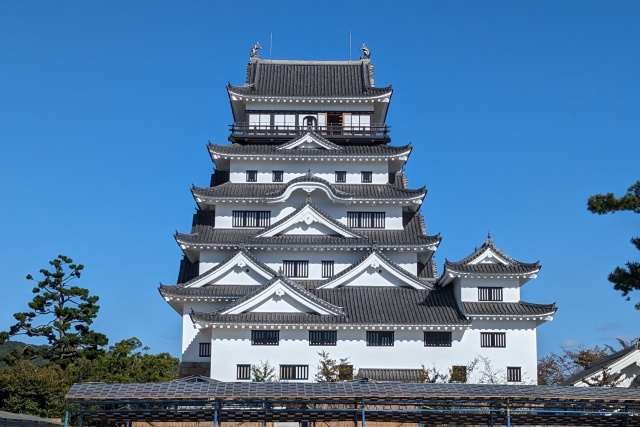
{"x": 256, "y": 150}
{"x": 508, "y": 309}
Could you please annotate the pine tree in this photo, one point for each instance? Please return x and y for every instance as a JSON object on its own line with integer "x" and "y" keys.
{"x": 625, "y": 279}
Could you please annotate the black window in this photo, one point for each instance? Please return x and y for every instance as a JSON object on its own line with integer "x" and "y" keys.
{"x": 437, "y": 339}
{"x": 380, "y": 338}
{"x": 265, "y": 337}
{"x": 493, "y": 339}
{"x": 243, "y": 372}
{"x": 365, "y": 219}
{"x": 277, "y": 176}
{"x": 458, "y": 374}
{"x": 489, "y": 294}
{"x": 366, "y": 176}
{"x": 514, "y": 374}
{"x": 251, "y": 218}
{"x": 323, "y": 337}
{"x": 341, "y": 176}
{"x": 252, "y": 176}
{"x": 205, "y": 349}
{"x": 295, "y": 268}
{"x": 294, "y": 372}
{"x": 327, "y": 268}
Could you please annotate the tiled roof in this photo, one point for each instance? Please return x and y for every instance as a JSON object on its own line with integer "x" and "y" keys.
{"x": 411, "y": 235}
{"x": 493, "y": 268}
{"x": 365, "y": 306}
{"x": 309, "y": 79}
{"x": 227, "y": 291}
{"x": 255, "y": 150}
{"x": 392, "y": 375}
{"x": 507, "y": 309}
{"x": 264, "y": 192}
{"x": 601, "y": 363}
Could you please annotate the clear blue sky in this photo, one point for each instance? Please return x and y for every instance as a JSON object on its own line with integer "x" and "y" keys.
{"x": 518, "y": 111}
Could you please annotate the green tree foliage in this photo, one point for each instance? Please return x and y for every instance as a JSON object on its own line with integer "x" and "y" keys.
{"x": 61, "y": 313}
{"x": 625, "y": 279}
{"x": 330, "y": 370}
{"x": 263, "y": 372}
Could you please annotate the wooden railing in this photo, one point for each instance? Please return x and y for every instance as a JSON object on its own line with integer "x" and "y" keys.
{"x": 251, "y": 129}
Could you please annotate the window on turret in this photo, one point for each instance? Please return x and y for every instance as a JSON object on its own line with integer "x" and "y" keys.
{"x": 341, "y": 176}
{"x": 327, "y": 268}
{"x": 252, "y": 176}
{"x": 277, "y": 176}
{"x": 294, "y": 372}
{"x": 366, "y": 177}
{"x": 204, "y": 349}
{"x": 259, "y": 121}
{"x": 251, "y": 218}
{"x": 243, "y": 372}
{"x": 514, "y": 374}
{"x": 493, "y": 339}
{"x": 323, "y": 337}
{"x": 265, "y": 337}
{"x": 365, "y": 219}
{"x": 489, "y": 294}
{"x": 380, "y": 338}
{"x": 437, "y": 339}
{"x": 295, "y": 268}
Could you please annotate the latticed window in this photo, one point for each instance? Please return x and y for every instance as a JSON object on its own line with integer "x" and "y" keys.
{"x": 252, "y": 176}
{"x": 323, "y": 337}
{"x": 380, "y": 338}
{"x": 365, "y": 219}
{"x": 493, "y": 339}
{"x": 489, "y": 294}
{"x": 251, "y": 218}
{"x": 294, "y": 372}
{"x": 366, "y": 177}
{"x": 514, "y": 374}
{"x": 437, "y": 339}
{"x": 277, "y": 176}
{"x": 265, "y": 337}
{"x": 204, "y": 349}
{"x": 341, "y": 176}
{"x": 327, "y": 268}
{"x": 295, "y": 268}
{"x": 243, "y": 372}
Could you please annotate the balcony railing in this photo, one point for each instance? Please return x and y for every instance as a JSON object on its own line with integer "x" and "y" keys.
{"x": 378, "y": 131}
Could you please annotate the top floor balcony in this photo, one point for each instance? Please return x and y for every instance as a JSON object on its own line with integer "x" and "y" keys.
{"x": 244, "y": 131}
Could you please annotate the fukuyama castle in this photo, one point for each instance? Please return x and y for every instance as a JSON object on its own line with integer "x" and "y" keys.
{"x": 310, "y": 239}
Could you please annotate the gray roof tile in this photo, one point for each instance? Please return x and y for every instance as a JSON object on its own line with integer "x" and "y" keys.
{"x": 507, "y": 308}
{"x": 254, "y": 150}
{"x": 392, "y": 375}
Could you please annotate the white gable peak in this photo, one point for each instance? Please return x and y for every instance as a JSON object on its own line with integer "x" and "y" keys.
{"x": 310, "y": 140}
{"x": 308, "y": 220}
{"x": 239, "y": 269}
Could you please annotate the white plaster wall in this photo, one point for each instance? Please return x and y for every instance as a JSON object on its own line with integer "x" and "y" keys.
{"x": 296, "y": 168}
{"x": 467, "y": 289}
{"x": 338, "y": 211}
{"x": 191, "y": 336}
{"x": 302, "y": 107}
{"x": 231, "y": 346}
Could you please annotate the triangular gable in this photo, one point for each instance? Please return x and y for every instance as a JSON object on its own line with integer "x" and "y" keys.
{"x": 239, "y": 269}
{"x": 375, "y": 270}
{"x": 310, "y": 140}
{"x": 281, "y": 296}
{"x": 488, "y": 256}
{"x": 308, "y": 220}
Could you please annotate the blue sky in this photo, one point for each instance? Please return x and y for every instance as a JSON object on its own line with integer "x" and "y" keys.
{"x": 518, "y": 111}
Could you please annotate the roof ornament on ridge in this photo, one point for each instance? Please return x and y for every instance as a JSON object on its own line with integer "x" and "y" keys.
{"x": 366, "y": 53}
{"x": 254, "y": 51}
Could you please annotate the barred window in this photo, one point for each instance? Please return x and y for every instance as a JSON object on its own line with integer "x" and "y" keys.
{"x": 380, "y": 338}
{"x": 277, "y": 176}
{"x": 265, "y": 337}
{"x": 323, "y": 337}
{"x": 365, "y": 219}
{"x": 327, "y": 268}
{"x": 341, "y": 176}
{"x": 493, "y": 339}
{"x": 295, "y": 268}
{"x": 205, "y": 349}
{"x": 251, "y": 218}
{"x": 458, "y": 374}
{"x": 252, "y": 176}
{"x": 489, "y": 294}
{"x": 294, "y": 372}
{"x": 366, "y": 177}
{"x": 437, "y": 339}
{"x": 243, "y": 372}
{"x": 514, "y": 374}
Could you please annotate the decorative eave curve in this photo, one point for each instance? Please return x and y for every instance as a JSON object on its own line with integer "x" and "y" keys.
{"x": 508, "y": 310}
{"x": 274, "y": 287}
{"x": 372, "y": 94}
{"x": 310, "y": 136}
{"x": 371, "y": 260}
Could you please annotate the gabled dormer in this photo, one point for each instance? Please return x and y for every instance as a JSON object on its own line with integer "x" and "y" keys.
{"x": 282, "y": 98}
{"x": 488, "y": 274}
